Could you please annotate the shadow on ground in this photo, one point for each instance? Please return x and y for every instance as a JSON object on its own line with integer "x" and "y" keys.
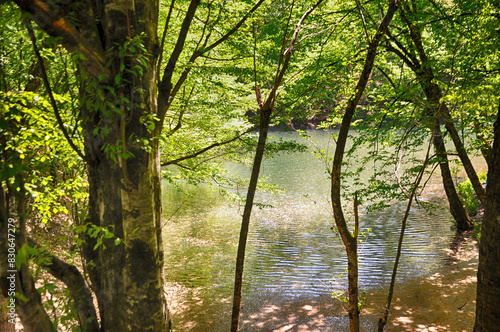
{"x": 441, "y": 301}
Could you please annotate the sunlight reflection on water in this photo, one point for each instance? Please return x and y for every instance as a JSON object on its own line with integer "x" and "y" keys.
{"x": 292, "y": 250}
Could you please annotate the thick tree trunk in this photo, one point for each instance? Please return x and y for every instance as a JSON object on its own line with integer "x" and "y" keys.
{"x": 123, "y": 168}
{"x": 125, "y": 198}
{"x": 488, "y": 277}
{"x": 456, "y": 208}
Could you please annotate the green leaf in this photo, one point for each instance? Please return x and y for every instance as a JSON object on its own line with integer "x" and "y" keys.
{"x": 21, "y": 297}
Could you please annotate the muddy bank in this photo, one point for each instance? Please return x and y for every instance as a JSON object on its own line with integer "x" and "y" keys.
{"x": 443, "y": 300}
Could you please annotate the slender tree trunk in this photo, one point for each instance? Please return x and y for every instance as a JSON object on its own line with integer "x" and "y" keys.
{"x": 252, "y": 187}
{"x": 349, "y": 239}
{"x": 434, "y": 97}
{"x": 266, "y": 110}
{"x": 456, "y": 207}
{"x": 383, "y": 320}
{"x": 464, "y": 157}
{"x": 488, "y": 276}
{"x": 485, "y": 146}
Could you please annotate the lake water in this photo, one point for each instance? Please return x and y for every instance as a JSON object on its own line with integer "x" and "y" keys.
{"x": 292, "y": 253}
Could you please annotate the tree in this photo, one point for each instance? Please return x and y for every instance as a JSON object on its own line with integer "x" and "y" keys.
{"x": 416, "y": 58}
{"x": 488, "y": 276}
{"x": 349, "y": 239}
{"x": 266, "y": 107}
{"x": 123, "y": 104}
{"x": 485, "y": 64}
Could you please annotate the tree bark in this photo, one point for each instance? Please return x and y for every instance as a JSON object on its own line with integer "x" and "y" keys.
{"x": 456, "y": 207}
{"x": 265, "y": 118}
{"x": 123, "y": 172}
{"x": 488, "y": 276}
{"x": 438, "y": 110}
{"x": 31, "y": 312}
{"x": 78, "y": 287}
{"x": 350, "y": 240}
{"x": 7, "y": 322}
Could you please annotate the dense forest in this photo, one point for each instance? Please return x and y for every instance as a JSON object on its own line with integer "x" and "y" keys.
{"x": 103, "y": 101}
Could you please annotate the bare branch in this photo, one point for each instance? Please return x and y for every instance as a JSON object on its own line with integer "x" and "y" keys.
{"x": 363, "y": 19}
{"x": 165, "y": 86}
{"x": 166, "y": 92}
{"x": 271, "y": 99}
{"x": 162, "y": 45}
{"x": 211, "y": 146}
{"x": 235, "y": 28}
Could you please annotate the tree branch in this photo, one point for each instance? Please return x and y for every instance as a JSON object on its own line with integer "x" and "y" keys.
{"x": 77, "y": 286}
{"x": 165, "y": 86}
{"x": 49, "y": 91}
{"x": 55, "y": 25}
{"x": 164, "y": 35}
{"x": 166, "y": 92}
{"x": 271, "y": 99}
{"x": 211, "y": 146}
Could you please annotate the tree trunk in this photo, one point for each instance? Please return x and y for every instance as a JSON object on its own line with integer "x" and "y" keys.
{"x": 123, "y": 169}
{"x": 434, "y": 97}
{"x": 488, "y": 276}
{"x": 266, "y": 110}
{"x": 439, "y": 110}
{"x": 456, "y": 208}
{"x": 124, "y": 197}
{"x": 383, "y": 320}
{"x": 7, "y": 321}
{"x": 464, "y": 157}
{"x": 252, "y": 187}
{"x": 14, "y": 280}
{"x": 350, "y": 240}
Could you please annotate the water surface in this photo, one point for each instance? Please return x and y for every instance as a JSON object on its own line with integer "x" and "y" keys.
{"x": 292, "y": 251}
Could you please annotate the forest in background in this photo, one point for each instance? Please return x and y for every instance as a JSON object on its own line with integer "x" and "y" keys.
{"x": 98, "y": 97}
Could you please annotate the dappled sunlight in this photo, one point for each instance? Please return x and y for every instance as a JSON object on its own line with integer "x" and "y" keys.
{"x": 443, "y": 300}
{"x": 191, "y": 310}
{"x": 288, "y": 314}
{"x": 402, "y": 320}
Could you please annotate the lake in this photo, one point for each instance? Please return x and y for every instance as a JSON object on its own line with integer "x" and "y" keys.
{"x": 294, "y": 259}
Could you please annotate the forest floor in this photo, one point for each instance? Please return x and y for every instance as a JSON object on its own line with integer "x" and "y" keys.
{"x": 441, "y": 301}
